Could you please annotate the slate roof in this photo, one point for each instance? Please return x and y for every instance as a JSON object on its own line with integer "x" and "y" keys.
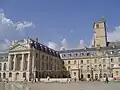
{"x": 109, "y": 47}
{"x": 43, "y": 48}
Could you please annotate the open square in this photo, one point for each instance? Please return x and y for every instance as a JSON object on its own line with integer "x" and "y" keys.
{"x": 75, "y": 86}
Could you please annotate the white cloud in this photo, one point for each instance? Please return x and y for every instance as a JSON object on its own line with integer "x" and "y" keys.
{"x": 11, "y": 30}
{"x": 64, "y": 43}
{"x": 114, "y": 35}
{"x": 24, "y": 24}
{"x": 53, "y": 45}
{"x": 111, "y": 36}
{"x": 81, "y": 44}
{"x": 5, "y": 45}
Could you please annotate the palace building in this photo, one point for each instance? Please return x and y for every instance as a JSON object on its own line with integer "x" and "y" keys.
{"x": 99, "y": 61}
{"x": 29, "y": 60}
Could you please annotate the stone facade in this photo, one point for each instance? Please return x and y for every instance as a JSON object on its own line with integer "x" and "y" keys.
{"x": 96, "y": 62}
{"x": 100, "y": 36}
{"x": 30, "y": 60}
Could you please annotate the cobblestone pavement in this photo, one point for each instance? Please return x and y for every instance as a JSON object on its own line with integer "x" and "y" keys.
{"x": 75, "y": 86}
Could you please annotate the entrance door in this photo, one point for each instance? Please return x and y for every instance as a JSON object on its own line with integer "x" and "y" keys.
{"x": 96, "y": 76}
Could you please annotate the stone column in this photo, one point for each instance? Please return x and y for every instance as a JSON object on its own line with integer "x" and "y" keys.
{"x": 28, "y": 59}
{"x": 22, "y": 63}
{"x": 33, "y": 60}
{"x": 14, "y": 67}
{"x": 9, "y": 62}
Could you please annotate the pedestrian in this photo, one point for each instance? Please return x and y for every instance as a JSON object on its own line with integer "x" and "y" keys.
{"x": 106, "y": 80}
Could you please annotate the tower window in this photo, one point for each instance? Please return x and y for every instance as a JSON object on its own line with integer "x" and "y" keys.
{"x": 97, "y": 25}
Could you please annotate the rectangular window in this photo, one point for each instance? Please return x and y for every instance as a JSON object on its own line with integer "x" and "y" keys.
{"x": 68, "y": 67}
{"x": 117, "y": 73}
{"x": 42, "y": 57}
{"x": 103, "y": 60}
{"x": 104, "y": 67}
{"x": 74, "y": 73}
{"x": 81, "y": 67}
{"x": 36, "y": 55}
{"x": 68, "y": 62}
{"x": 74, "y": 61}
{"x": 95, "y": 61}
{"x": 95, "y": 67}
{"x": 112, "y": 65}
{"x": 88, "y": 68}
{"x": 111, "y": 59}
{"x": 97, "y": 25}
{"x": 87, "y": 61}
{"x": 118, "y": 59}
{"x": 69, "y": 55}
{"x": 81, "y": 61}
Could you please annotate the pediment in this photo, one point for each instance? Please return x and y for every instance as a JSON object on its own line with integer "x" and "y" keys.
{"x": 18, "y": 47}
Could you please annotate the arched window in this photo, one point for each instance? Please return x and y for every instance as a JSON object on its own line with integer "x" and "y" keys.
{"x": 81, "y": 61}
{"x": 68, "y": 62}
{"x": 10, "y": 74}
{"x": 88, "y": 76}
{"x": 82, "y": 76}
{"x": 0, "y": 66}
{"x": 4, "y": 75}
{"x": 24, "y": 75}
{"x": 4, "y": 66}
{"x": 74, "y": 61}
{"x": 104, "y": 75}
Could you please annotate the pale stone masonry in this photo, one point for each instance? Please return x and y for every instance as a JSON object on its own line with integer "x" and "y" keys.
{"x": 96, "y": 62}
{"x": 30, "y": 60}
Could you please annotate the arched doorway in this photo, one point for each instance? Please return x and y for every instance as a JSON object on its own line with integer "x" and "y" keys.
{"x": 82, "y": 76}
{"x": 0, "y": 75}
{"x": 4, "y": 75}
{"x": 88, "y": 76}
{"x": 17, "y": 76}
{"x": 96, "y": 76}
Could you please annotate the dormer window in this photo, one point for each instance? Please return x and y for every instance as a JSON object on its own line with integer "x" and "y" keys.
{"x": 88, "y": 54}
{"x": 69, "y": 55}
{"x": 82, "y": 54}
{"x": 63, "y": 55}
{"x": 111, "y": 52}
{"x": 76, "y": 54}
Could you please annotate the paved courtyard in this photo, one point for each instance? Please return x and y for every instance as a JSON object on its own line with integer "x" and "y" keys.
{"x": 75, "y": 86}
{"x": 68, "y": 86}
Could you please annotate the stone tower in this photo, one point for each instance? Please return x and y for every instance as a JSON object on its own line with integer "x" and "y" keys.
{"x": 100, "y": 35}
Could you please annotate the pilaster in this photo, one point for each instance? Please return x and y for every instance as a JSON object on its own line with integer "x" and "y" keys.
{"x": 14, "y": 68}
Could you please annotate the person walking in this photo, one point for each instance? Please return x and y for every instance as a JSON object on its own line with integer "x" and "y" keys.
{"x": 106, "y": 80}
